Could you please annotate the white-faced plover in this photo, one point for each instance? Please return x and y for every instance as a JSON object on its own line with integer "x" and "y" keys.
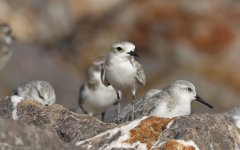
{"x": 122, "y": 71}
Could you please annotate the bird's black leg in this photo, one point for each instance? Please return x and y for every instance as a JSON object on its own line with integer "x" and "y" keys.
{"x": 133, "y": 99}
{"x": 119, "y": 106}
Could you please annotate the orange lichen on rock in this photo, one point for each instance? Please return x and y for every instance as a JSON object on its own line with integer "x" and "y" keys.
{"x": 175, "y": 145}
{"x": 148, "y": 131}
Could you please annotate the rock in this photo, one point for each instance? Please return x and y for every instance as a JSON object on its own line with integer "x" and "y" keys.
{"x": 6, "y": 107}
{"x": 69, "y": 126}
{"x": 194, "y": 132}
{"x": 142, "y": 134}
{"x": 148, "y": 131}
{"x": 18, "y": 135}
{"x": 208, "y": 131}
{"x": 178, "y": 145}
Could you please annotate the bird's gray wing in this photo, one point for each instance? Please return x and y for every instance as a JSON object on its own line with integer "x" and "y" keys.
{"x": 141, "y": 108}
{"x": 103, "y": 76}
{"x": 140, "y": 76}
{"x": 82, "y": 98}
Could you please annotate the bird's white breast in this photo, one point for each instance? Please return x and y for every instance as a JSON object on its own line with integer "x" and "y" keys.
{"x": 180, "y": 109}
{"x": 100, "y": 98}
{"x": 120, "y": 73}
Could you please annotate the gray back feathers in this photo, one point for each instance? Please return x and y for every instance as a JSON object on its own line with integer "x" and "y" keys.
{"x": 141, "y": 108}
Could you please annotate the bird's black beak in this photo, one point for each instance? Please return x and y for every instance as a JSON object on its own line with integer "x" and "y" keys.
{"x": 132, "y": 53}
{"x": 198, "y": 98}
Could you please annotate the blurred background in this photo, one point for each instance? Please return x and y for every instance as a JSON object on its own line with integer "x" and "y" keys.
{"x": 57, "y": 40}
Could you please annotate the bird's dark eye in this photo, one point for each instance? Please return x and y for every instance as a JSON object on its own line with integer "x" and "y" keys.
{"x": 189, "y": 89}
{"x": 119, "y": 49}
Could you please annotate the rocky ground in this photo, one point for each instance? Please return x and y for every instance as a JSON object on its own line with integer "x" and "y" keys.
{"x": 16, "y": 135}
{"x": 26, "y": 124}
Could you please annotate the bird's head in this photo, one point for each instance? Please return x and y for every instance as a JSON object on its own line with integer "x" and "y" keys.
{"x": 43, "y": 92}
{"x": 185, "y": 91}
{"x": 124, "y": 49}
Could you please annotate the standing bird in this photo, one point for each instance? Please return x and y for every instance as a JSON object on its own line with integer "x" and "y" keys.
{"x": 6, "y": 39}
{"x": 95, "y": 98}
{"x": 122, "y": 71}
{"x": 40, "y": 91}
{"x": 172, "y": 101}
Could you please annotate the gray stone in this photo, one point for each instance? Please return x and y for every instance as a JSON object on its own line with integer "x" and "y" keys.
{"x": 16, "y": 135}
{"x": 6, "y": 107}
{"x": 205, "y": 131}
{"x": 69, "y": 126}
{"x": 208, "y": 131}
